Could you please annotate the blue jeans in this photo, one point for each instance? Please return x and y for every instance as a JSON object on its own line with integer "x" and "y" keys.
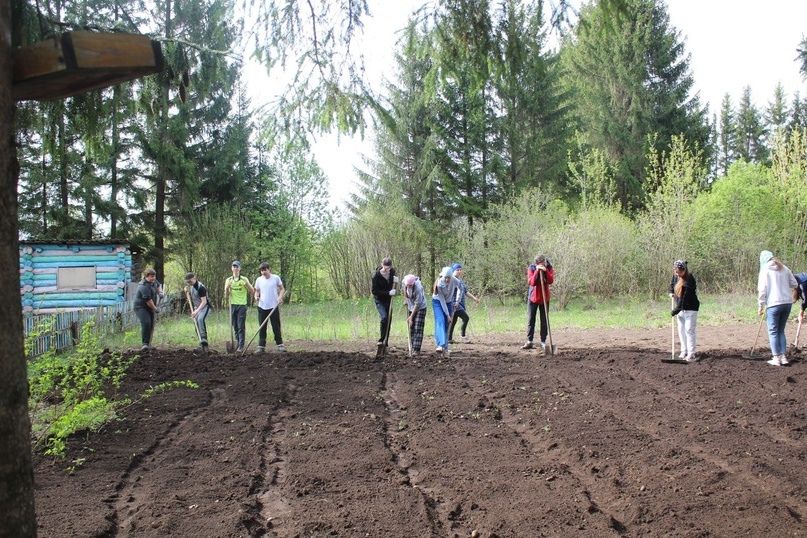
{"x": 777, "y": 322}
{"x": 383, "y": 311}
{"x": 441, "y": 324}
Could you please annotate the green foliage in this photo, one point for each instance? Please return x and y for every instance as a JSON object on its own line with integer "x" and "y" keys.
{"x": 631, "y": 80}
{"x": 665, "y": 225}
{"x": 741, "y": 215}
{"x": 78, "y": 390}
{"x": 789, "y": 168}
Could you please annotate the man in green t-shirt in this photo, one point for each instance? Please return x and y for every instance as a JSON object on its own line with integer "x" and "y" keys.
{"x": 235, "y": 289}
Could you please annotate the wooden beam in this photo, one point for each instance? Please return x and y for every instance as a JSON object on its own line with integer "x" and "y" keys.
{"x": 77, "y": 62}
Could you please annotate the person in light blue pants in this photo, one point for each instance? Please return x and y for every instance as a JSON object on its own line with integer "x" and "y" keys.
{"x": 775, "y": 287}
{"x": 445, "y": 288}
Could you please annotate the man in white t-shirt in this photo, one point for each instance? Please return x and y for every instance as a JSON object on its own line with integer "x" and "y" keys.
{"x": 269, "y": 292}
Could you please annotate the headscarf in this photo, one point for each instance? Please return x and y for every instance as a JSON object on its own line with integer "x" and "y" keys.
{"x": 447, "y": 271}
{"x": 680, "y": 264}
{"x": 764, "y": 257}
{"x": 455, "y": 267}
{"x": 409, "y": 280}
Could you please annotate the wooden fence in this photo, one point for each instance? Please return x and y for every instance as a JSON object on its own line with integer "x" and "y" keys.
{"x": 62, "y": 330}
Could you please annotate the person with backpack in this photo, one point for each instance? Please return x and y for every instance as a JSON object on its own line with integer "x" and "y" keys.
{"x": 236, "y": 287}
{"x": 415, "y": 299}
{"x": 775, "y": 287}
{"x": 443, "y": 293}
{"x": 200, "y": 308}
{"x": 801, "y": 278}
{"x": 537, "y": 273}
{"x": 383, "y": 289}
{"x": 683, "y": 290}
{"x": 459, "y": 304}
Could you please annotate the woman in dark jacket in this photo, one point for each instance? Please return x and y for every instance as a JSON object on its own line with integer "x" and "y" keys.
{"x": 384, "y": 281}
{"x": 145, "y": 307}
{"x": 683, "y": 290}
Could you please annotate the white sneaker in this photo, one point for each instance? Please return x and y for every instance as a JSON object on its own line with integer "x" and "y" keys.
{"x": 528, "y": 345}
{"x": 683, "y": 355}
{"x": 465, "y": 339}
{"x": 281, "y": 348}
{"x": 691, "y": 357}
{"x": 783, "y": 360}
{"x": 438, "y": 349}
{"x": 775, "y": 361}
{"x": 543, "y": 346}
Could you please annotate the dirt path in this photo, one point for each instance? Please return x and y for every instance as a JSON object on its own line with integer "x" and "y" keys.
{"x": 603, "y": 439}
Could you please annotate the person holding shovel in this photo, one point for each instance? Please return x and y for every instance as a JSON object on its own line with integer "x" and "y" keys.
{"x": 685, "y": 308}
{"x": 200, "y": 308}
{"x": 415, "y": 299}
{"x": 269, "y": 292}
{"x": 459, "y": 304}
{"x": 538, "y": 302}
{"x": 775, "y": 287}
{"x": 236, "y": 287}
{"x": 145, "y": 307}
{"x": 383, "y": 290}
{"x": 443, "y": 294}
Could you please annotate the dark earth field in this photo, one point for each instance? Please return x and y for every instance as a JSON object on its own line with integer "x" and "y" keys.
{"x": 601, "y": 440}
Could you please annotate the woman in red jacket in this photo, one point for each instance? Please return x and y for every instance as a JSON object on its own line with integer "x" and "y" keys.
{"x": 537, "y": 302}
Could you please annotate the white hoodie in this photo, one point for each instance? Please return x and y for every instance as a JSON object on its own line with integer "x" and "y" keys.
{"x": 774, "y": 285}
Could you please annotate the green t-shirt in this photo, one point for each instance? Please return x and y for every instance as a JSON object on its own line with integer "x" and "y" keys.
{"x": 238, "y": 290}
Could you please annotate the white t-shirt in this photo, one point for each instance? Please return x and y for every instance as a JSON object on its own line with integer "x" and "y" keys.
{"x": 269, "y": 289}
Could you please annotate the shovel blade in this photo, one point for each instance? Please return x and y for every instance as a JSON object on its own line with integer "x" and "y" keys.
{"x": 230, "y": 347}
{"x": 674, "y": 361}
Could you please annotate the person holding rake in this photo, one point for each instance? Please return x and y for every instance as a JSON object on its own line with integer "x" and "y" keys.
{"x": 383, "y": 290}
{"x": 683, "y": 290}
{"x": 539, "y": 276}
{"x": 775, "y": 287}
{"x": 269, "y": 293}
{"x": 443, "y": 294}
{"x": 415, "y": 299}
{"x": 200, "y": 308}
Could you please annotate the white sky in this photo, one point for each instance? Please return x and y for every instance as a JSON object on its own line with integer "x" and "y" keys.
{"x": 732, "y": 43}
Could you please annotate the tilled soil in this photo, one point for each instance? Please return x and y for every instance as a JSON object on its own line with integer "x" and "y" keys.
{"x": 602, "y": 439}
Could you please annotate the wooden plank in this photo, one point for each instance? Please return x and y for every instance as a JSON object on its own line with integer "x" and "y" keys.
{"x": 41, "y": 59}
{"x": 86, "y": 61}
{"x": 118, "y": 52}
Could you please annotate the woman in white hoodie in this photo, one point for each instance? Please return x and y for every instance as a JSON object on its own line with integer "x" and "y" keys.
{"x": 775, "y": 285}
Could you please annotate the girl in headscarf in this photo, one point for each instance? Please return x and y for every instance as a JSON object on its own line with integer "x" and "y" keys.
{"x": 686, "y": 304}
{"x": 775, "y": 285}
{"x": 445, "y": 288}
{"x": 416, "y": 307}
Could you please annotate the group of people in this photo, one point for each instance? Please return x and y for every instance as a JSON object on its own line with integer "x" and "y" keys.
{"x": 778, "y": 288}
{"x": 267, "y": 291}
{"x": 448, "y": 304}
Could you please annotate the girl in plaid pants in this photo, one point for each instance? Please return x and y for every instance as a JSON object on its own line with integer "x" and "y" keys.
{"x": 416, "y": 307}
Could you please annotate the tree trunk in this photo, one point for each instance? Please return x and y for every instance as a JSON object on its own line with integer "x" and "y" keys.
{"x": 113, "y": 195}
{"x": 16, "y": 470}
{"x": 160, "y": 230}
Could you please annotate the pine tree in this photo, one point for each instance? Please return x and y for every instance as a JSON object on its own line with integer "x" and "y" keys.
{"x": 749, "y": 143}
{"x": 726, "y": 140}
{"x": 632, "y": 84}
{"x": 776, "y": 114}
{"x": 533, "y": 124}
{"x": 798, "y": 113}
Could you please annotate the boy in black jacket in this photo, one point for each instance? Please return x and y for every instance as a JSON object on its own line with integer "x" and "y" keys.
{"x": 384, "y": 281}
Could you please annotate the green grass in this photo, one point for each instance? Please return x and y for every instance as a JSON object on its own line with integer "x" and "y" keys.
{"x": 357, "y": 320}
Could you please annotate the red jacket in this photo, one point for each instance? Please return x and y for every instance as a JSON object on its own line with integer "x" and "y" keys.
{"x": 534, "y": 280}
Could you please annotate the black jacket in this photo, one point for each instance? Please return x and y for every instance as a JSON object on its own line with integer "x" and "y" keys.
{"x": 689, "y": 299}
{"x": 381, "y": 285}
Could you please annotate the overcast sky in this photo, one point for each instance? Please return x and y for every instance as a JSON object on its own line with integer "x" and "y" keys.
{"x": 732, "y": 44}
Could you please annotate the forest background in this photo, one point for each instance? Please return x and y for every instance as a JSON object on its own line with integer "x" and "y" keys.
{"x": 491, "y": 145}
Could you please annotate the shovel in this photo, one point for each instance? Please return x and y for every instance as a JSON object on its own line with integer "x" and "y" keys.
{"x": 673, "y": 359}
{"x": 794, "y": 347}
{"x": 231, "y": 344}
{"x": 272, "y": 311}
{"x": 752, "y": 356}
{"x": 552, "y": 348}
{"x": 409, "y": 334}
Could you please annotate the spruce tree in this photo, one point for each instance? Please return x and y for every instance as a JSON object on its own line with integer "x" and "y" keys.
{"x": 749, "y": 143}
{"x": 632, "y": 85}
{"x": 776, "y": 114}
{"x": 726, "y": 143}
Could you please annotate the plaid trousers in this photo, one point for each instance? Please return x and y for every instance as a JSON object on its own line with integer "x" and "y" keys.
{"x": 416, "y": 330}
